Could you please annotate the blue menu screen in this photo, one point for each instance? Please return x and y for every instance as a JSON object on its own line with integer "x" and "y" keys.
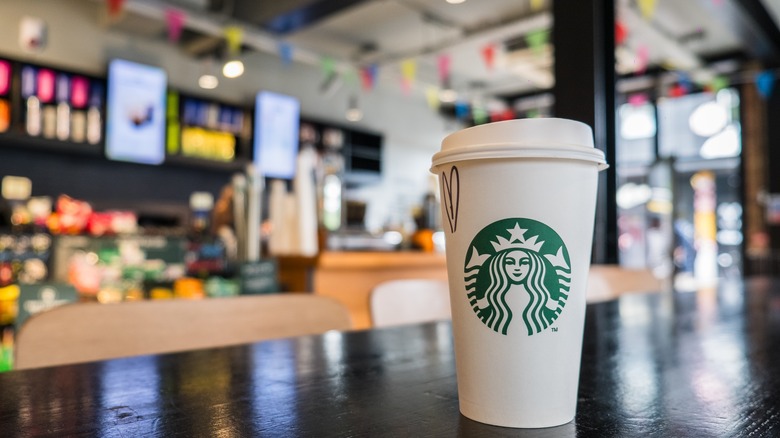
{"x": 277, "y": 119}
{"x": 135, "y": 120}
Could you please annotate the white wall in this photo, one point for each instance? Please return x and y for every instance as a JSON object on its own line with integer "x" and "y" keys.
{"x": 79, "y": 40}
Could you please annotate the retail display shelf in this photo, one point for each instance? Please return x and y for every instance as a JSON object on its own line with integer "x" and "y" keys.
{"x": 16, "y": 140}
{"x": 227, "y": 166}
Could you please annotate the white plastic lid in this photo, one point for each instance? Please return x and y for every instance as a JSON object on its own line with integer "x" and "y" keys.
{"x": 526, "y": 138}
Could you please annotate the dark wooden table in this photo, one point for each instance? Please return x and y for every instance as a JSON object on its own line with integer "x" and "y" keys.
{"x": 669, "y": 365}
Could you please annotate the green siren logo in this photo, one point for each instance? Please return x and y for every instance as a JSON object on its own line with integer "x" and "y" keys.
{"x": 516, "y": 260}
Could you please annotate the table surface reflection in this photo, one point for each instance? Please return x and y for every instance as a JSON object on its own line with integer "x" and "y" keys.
{"x": 667, "y": 364}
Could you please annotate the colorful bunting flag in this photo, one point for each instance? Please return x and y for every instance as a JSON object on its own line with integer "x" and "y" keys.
{"x": 432, "y": 97}
{"x": 368, "y": 76}
{"x": 462, "y": 110}
{"x": 537, "y": 40}
{"x": 443, "y": 62}
{"x": 647, "y": 8}
{"x": 406, "y": 87}
{"x": 499, "y": 116}
{"x": 765, "y": 83}
{"x": 718, "y": 83}
{"x": 175, "y": 19}
{"x": 115, "y": 8}
{"x": 408, "y": 74}
{"x": 285, "y": 53}
{"x": 684, "y": 80}
{"x": 642, "y": 59}
{"x": 638, "y": 99}
{"x": 365, "y": 79}
{"x": 489, "y": 55}
{"x": 234, "y": 36}
{"x": 479, "y": 115}
{"x": 669, "y": 64}
{"x": 327, "y": 66}
{"x": 677, "y": 90}
{"x": 621, "y": 32}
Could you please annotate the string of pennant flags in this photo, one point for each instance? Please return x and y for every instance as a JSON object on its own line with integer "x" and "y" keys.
{"x": 366, "y": 76}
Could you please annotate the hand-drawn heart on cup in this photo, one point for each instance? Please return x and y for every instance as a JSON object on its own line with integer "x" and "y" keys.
{"x": 451, "y": 196}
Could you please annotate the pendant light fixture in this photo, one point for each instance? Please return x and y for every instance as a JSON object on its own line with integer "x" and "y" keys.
{"x": 208, "y": 80}
{"x": 354, "y": 113}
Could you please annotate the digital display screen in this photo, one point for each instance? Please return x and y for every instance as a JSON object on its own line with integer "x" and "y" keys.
{"x": 277, "y": 118}
{"x": 135, "y": 123}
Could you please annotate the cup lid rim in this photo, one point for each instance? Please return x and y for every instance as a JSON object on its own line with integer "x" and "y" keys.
{"x": 515, "y": 150}
{"x": 550, "y": 137}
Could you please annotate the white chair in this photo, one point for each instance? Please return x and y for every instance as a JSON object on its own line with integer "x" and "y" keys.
{"x": 86, "y": 332}
{"x": 398, "y": 302}
{"x": 606, "y": 282}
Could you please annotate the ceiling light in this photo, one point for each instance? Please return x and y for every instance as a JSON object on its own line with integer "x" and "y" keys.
{"x": 208, "y": 82}
{"x": 354, "y": 114}
{"x": 233, "y": 69}
{"x": 448, "y": 95}
{"x": 455, "y": 2}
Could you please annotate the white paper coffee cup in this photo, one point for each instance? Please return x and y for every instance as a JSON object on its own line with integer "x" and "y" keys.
{"x": 518, "y": 207}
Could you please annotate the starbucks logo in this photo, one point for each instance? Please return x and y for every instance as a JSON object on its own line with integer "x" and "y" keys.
{"x": 517, "y": 256}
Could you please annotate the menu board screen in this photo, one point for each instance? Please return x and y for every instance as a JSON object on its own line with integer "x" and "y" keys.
{"x": 135, "y": 125}
{"x": 277, "y": 118}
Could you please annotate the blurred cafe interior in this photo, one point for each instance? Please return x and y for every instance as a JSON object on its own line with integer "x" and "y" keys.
{"x": 179, "y": 150}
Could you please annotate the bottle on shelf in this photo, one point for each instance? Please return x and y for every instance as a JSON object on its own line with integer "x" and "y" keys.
{"x": 94, "y": 118}
{"x": 79, "y": 96}
{"x": 46, "y": 87}
{"x": 63, "y": 107}
{"x": 32, "y": 103}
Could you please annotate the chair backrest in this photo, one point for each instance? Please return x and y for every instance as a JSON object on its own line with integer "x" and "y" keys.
{"x": 86, "y": 332}
{"x": 399, "y": 302}
{"x": 606, "y": 282}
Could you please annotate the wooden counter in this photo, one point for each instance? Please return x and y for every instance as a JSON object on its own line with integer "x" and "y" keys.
{"x": 349, "y": 277}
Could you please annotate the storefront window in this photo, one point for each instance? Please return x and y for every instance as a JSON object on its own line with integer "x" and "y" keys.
{"x": 700, "y": 126}
{"x": 636, "y": 136}
{"x": 681, "y": 211}
{"x": 635, "y": 154}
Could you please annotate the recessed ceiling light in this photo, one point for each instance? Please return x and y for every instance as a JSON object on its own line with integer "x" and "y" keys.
{"x": 455, "y": 2}
{"x": 354, "y": 114}
{"x": 208, "y": 82}
{"x": 233, "y": 69}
